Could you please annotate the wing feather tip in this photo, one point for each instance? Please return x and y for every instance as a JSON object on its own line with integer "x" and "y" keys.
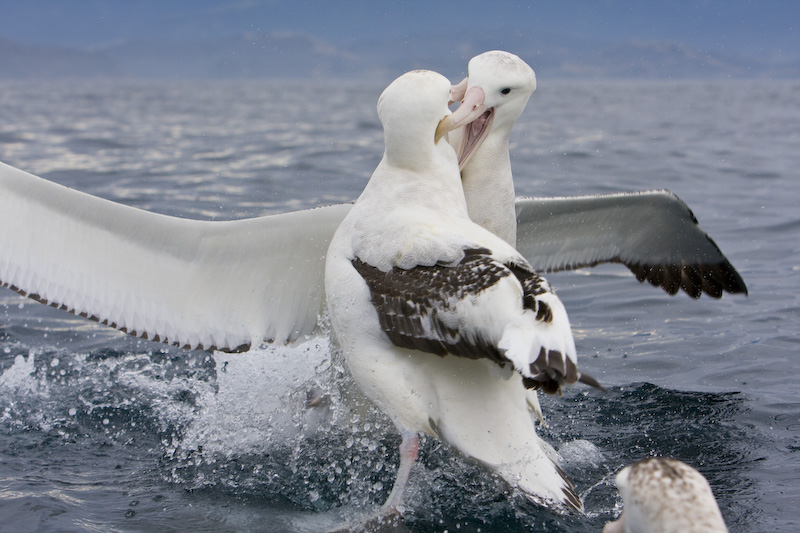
{"x": 586, "y": 379}
{"x": 694, "y": 279}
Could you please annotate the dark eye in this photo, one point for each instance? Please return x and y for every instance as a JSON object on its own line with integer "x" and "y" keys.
{"x": 506, "y": 90}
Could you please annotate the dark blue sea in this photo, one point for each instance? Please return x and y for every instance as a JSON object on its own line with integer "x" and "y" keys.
{"x": 103, "y": 432}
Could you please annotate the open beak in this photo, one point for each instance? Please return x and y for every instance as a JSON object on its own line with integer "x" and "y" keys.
{"x": 471, "y": 108}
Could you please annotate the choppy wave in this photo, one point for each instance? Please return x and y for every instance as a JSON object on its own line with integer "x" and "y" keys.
{"x": 239, "y": 427}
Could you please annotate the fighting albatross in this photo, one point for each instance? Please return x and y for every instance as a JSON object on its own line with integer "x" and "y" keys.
{"x": 173, "y": 280}
{"x": 653, "y": 233}
{"x": 444, "y": 325}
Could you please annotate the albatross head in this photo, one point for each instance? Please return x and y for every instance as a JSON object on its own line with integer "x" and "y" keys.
{"x": 416, "y": 100}
{"x": 663, "y": 494}
{"x": 414, "y": 113}
{"x": 496, "y": 91}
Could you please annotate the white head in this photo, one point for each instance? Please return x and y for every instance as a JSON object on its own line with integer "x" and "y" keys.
{"x": 413, "y": 109}
{"x": 664, "y": 495}
{"x": 496, "y": 90}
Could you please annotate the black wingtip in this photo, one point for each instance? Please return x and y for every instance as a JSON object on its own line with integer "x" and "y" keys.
{"x": 694, "y": 279}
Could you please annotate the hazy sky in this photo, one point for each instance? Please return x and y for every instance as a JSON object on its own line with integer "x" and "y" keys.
{"x": 757, "y": 27}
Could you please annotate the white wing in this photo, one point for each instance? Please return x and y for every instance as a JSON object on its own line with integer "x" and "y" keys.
{"x": 653, "y": 233}
{"x": 223, "y": 285}
{"x": 228, "y": 285}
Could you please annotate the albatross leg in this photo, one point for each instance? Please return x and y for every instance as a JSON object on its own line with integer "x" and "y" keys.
{"x": 409, "y": 451}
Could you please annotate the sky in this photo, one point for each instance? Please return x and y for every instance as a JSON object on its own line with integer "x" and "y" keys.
{"x": 759, "y": 27}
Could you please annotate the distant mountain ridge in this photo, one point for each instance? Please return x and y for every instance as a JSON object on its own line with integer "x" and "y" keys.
{"x": 24, "y": 61}
{"x": 298, "y": 55}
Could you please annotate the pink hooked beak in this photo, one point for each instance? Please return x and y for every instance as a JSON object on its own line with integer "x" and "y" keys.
{"x": 471, "y": 108}
{"x": 457, "y": 91}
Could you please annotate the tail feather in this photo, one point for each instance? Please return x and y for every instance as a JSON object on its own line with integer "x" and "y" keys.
{"x": 559, "y": 496}
{"x": 572, "y": 498}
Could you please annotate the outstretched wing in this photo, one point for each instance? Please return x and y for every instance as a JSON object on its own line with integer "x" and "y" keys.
{"x": 227, "y": 285}
{"x": 196, "y": 284}
{"x": 653, "y": 233}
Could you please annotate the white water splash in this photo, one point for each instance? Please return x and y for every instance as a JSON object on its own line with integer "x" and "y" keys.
{"x": 260, "y": 398}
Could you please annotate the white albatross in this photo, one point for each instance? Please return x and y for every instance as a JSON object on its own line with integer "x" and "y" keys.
{"x": 497, "y": 89}
{"x": 226, "y": 285}
{"x": 653, "y": 233}
{"x": 663, "y": 495}
{"x": 442, "y": 323}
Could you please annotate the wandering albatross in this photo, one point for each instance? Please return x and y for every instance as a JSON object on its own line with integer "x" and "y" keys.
{"x": 653, "y": 233}
{"x": 444, "y": 325}
{"x": 497, "y": 89}
{"x": 172, "y": 280}
{"x": 663, "y": 495}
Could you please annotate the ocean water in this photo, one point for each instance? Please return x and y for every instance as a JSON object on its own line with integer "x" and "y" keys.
{"x": 102, "y": 432}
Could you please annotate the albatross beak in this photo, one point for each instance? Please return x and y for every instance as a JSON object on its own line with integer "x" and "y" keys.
{"x": 471, "y": 108}
{"x": 457, "y": 91}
